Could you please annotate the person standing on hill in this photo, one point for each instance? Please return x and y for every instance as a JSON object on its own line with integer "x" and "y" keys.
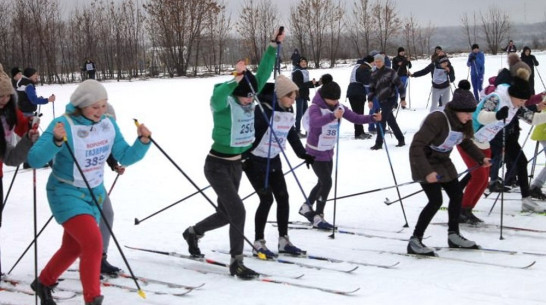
{"x": 531, "y": 61}
{"x": 16, "y": 75}
{"x": 89, "y": 68}
{"x": 357, "y": 90}
{"x": 26, "y": 91}
{"x": 402, "y": 64}
{"x": 443, "y": 75}
{"x": 511, "y": 47}
{"x": 476, "y": 63}
{"x": 383, "y": 86}
{"x": 300, "y": 76}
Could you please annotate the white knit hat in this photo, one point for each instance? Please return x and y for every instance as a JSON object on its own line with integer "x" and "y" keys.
{"x": 88, "y": 93}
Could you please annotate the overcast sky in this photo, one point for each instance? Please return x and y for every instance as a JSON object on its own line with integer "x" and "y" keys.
{"x": 439, "y": 12}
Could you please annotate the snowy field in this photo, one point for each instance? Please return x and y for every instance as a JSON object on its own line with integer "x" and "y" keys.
{"x": 177, "y": 112}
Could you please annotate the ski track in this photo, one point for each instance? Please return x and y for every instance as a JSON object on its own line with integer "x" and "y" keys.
{"x": 177, "y": 112}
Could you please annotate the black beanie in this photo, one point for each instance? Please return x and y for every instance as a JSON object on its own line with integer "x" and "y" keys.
{"x": 329, "y": 89}
{"x": 14, "y": 71}
{"x": 463, "y": 100}
{"x": 369, "y": 59}
{"x": 243, "y": 89}
{"x": 401, "y": 49}
{"x": 29, "y": 72}
{"x": 520, "y": 88}
{"x": 475, "y": 46}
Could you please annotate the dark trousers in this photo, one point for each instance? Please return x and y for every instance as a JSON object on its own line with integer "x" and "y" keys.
{"x": 434, "y": 195}
{"x": 225, "y": 176}
{"x": 515, "y": 157}
{"x": 357, "y": 105}
{"x": 91, "y": 74}
{"x": 388, "y": 117}
{"x": 276, "y": 188}
{"x": 301, "y": 107}
{"x": 1, "y": 209}
{"x": 477, "y": 84}
{"x": 375, "y": 108}
{"x": 319, "y": 193}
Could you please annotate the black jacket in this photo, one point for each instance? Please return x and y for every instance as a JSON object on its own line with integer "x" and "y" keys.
{"x": 299, "y": 79}
{"x": 363, "y": 76}
{"x": 405, "y": 64}
{"x": 384, "y": 83}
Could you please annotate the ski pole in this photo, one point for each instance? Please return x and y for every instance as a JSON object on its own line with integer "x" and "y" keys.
{"x": 539, "y": 76}
{"x": 285, "y": 173}
{"x": 113, "y": 184}
{"x": 35, "y": 223}
{"x": 31, "y": 244}
{"x": 533, "y": 165}
{"x": 406, "y": 225}
{"x": 137, "y": 221}
{"x": 274, "y": 134}
{"x": 429, "y": 95}
{"x": 503, "y": 154}
{"x": 140, "y": 292}
{"x": 333, "y": 235}
{"x": 225, "y": 215}
{"x": 3, "y": 203}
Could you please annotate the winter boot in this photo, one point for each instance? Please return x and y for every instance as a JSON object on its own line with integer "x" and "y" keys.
{"x": 537, "y": 193}
{"x": 192, "y": 239}
{"x": 376, "y": 147}
{"x": 44, "y": 292}
{"x": 237, "y": 268}
{"x": 285, "y": 246}
{"x": 107, "y": 269}
{"x": 529, "y": 205}
{"x": 96, "y": 301}
{"x": 456, "y": 240}
{"x": 260, "y": 246}
{"x": 497, "y": 187}
{"x": 307, "y": 212}
{"x": 469, "y": 218}
{"x": 416, "y": 246}
{"x": 320, "y": 223}
{"x": 401, "y": 143}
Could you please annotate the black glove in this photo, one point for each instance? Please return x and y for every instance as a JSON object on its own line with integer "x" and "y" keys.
{"x": 309, "y": 160}
{"x": 502, "y": 113}
{"x": 472, "y": 56}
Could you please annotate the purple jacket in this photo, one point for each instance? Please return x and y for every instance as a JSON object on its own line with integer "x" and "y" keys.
{"x": 317, "y": 120}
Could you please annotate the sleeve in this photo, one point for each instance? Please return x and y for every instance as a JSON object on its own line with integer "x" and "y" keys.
{"x": 45, "y": 149}
{"x": 125, "y": 154}
{"x": 18, "y": 154}
{"x": 535, "y": 61}
{"x": 421, "y": 140}
{"x": 295, "y": 143}
{"x": 409, "y": 64}
{"x": 22, "y": 125}
{"x": 451, "y": 73}
{"x": 33, "y": 98}
{"x": 355, "y": 118}
{"x": 265, "y": 67}
{"x": 297, "y": 78}
{"x": 425, "y": 71}
{"x": 371, "y": 88}
{"x": 218, "y": 101}
{"x": 317, "y": 119}
{"x": 480, "y": 62}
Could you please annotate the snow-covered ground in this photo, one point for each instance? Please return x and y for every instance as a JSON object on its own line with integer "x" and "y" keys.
{"x": 177, "y": 111}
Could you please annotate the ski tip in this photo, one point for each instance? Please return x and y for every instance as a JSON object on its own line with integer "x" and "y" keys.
{"x": 137, "y": 222}
{"x": 262, "y": 256}
{"x": 141, "y": 293}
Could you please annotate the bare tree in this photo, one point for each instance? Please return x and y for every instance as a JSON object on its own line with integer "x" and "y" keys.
{"x": 470, "y": 29}
{"x": 334, "y": 27}
{"x": 386, "y": 19}
{"x": 410, "y": 33}
{"x": 297, "y": 30}
{"x": 217, "y": 26}
{"x": 495, "y": 26}
{"x": 361, "y": 27}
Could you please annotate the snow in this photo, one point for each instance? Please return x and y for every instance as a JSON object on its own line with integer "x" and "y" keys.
{"x": 177, "y": 112}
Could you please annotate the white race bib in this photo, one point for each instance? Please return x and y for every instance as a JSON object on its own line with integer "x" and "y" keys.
{"x": 92, "y": 146}
{"x": 328, "y": 136}
{"x": 453, "y": 138}
{"x": 242, "y": 124}
{"x": 489, "y": 131}
{"x": 281, "y": 125}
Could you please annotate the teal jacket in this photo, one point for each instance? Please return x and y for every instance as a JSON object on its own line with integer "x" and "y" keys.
{"x": 65, "y": 199}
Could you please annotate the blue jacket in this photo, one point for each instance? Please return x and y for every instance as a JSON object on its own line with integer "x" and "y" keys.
{"x": 65, "y": 199}
{"x": 476, "y": 62}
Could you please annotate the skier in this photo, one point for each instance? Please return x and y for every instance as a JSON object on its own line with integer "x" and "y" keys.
{"x": 296, "y": 56}
{"x": 16, "y": 75}
{"x": 539, "y": 134}
{"x": 531, "y": 61}
{"x": 13, "y": 124}
{"x": 506, "y": 103}
{"x": 383, "y": 86}
{"x": 476, "y": 63}
{"x": 402, "y": 64}
{"x": 266, "y": 146}
{"x": 26, "y": 91}
{"x": 233, "y": 134}
{"x": 300, "y": 76}
{"x": 443, "y": 75}
{"x": 356, "y": 92}
{"x": 323, "y": 118}
{"x": 87, "y": 132}
{"x": 432, "y": 167}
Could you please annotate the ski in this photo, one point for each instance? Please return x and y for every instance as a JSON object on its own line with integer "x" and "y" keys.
{"x": 283, "y": 261}
{"x": 60, "y": 294}
{"x": 335, "y": 260}
{"x": 270, "y": 280}
{"x": 486, "y": 250}
{"x": 348, "y": 232}
{"x": 454, "y": 259}
{"x": 203, "y": 260}
{"x": 306, "y": 223}
{"x": 493, "y": 226}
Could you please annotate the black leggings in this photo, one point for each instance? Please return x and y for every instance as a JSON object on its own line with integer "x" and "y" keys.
{"x": 277, "y": 187}
{"x": 434, "y": 195}
{"x": 319, "y": 193}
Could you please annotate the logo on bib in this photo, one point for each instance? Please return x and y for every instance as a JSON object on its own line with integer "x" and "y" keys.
{"x": 83, "y": 133}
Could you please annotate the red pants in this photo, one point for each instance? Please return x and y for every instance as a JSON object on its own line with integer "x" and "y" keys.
{"x": 479, "y": 179}
{"x": 81, "y": 239}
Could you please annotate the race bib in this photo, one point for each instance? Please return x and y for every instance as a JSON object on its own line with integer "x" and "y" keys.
{"x": 242, "y": 124}
{"x": 269, "y": 147}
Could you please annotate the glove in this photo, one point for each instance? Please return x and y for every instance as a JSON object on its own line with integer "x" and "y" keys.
{"x": 502, "y": 113}
{"x": 472, "y": 57}
{"x": 309, "y": 160}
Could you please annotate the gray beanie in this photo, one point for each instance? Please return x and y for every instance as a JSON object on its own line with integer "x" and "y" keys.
{"x": 88, "y": 93}
{"x": 379, "y": 57}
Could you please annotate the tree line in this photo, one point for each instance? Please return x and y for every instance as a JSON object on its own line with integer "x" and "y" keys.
{"x": 138, "y": 38}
